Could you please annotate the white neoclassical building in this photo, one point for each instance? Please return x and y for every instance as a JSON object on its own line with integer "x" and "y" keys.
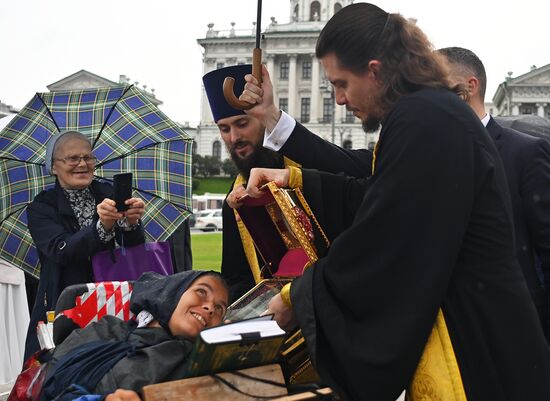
{"x": 527, "y": 94}
{"x": 300, "y": 87}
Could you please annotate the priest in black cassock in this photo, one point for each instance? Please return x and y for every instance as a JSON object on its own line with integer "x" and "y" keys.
{"x": 423, "y": 291}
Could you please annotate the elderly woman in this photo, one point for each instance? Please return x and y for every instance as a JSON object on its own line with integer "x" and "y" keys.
{"x": 72, "y": 221}
{"x": 114, "y": 359}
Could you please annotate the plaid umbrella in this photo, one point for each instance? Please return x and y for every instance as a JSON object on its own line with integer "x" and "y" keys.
{"x": 127, "y": 132}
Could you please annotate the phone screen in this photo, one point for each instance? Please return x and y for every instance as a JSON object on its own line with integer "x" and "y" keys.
{"x": 122, "y": 190}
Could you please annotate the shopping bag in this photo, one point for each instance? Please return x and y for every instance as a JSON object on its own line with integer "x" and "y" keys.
{"x": 28, "y": 385}
{"x": 123, "y": 264}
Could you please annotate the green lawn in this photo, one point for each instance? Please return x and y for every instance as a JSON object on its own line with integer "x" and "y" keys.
{"x": 214, "y": 185}
{"x": 207, "y": 251}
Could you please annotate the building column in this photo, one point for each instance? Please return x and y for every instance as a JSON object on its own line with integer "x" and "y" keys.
{"x": 515, "y": 109}
{"x": 315, "y": 91}
{"x": 292, "y": 92}
{"x": 270, "y": 64}
{"x": 540, "y": 109}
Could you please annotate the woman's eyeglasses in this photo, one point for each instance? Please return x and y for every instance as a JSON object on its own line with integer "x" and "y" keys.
{"x": 74, "y": 161}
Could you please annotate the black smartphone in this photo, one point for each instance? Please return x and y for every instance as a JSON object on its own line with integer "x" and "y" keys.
{"x": 123, "y": 190}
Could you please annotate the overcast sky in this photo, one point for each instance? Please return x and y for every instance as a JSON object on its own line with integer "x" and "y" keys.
{"x": 154, "y": 42}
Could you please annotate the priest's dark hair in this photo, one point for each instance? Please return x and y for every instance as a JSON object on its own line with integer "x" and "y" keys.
{"x": 362, "y": 32}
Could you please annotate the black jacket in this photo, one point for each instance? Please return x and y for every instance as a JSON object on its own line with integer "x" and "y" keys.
{"x": 526, "y": 162}
{"x": 64, "y": 249}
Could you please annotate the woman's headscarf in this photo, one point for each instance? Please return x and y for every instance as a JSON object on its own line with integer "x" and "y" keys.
{"x": 159, "y": 295}
{"x": 50, "y": 147}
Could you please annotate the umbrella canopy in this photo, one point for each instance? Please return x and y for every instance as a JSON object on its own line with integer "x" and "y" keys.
{"x": 528, "y": 124}
{"x": 127, "y": 132}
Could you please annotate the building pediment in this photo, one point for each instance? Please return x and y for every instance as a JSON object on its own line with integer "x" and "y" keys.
{"x": 81, "y": 80}
{"x": 537, "y": 76}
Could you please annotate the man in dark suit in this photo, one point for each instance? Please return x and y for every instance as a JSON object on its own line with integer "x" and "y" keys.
{"x": 527, "y": 165}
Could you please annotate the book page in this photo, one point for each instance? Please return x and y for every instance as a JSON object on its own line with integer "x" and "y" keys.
{"x": 262, "y": 326}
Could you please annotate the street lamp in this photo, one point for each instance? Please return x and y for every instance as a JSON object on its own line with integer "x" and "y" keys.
{"x": 327, "y": 87}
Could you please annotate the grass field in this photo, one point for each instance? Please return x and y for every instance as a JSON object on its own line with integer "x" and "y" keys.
{"x": 214, "y": 185}
{"x": 207, "y": 251}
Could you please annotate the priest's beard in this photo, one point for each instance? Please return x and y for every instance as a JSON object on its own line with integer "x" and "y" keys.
{"x": 260, "y": 157}
{"x": 371, "y": 124}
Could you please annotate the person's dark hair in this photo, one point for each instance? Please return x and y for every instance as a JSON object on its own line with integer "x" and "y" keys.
{"x": 218, "y": 276}
{"x": 468, "y": 62}
{"x": 363, "y": 32}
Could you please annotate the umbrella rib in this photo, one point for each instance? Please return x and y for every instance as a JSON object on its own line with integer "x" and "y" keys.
{"x": 16, "y": 211}
{"x": 49, "y": 112}
{"x": 109, "y": 116}
{"x": 20, "y": 161}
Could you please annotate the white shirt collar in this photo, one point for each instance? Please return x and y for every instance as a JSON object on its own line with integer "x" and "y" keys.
{"x": 485, "y": 120}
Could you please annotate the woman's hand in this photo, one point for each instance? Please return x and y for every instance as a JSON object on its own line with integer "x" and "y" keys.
{"x": 108, "y": 213}
{"x": 260, "y": 176}
{"x": 135, "y": 211}
{"x": 234, "y": 198}
{"x": 123, "y": 395}
{"x": 282, "y": 313}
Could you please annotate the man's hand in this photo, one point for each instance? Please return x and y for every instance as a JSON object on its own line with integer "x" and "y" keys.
{"x": 135, "y": 211}
{"x": 262, "y": 97}
{"x": 123, "y": 395}
{"x": 234, "y": 198}
{"x": 282, "y": 313}
{"x": 260, "y": 176}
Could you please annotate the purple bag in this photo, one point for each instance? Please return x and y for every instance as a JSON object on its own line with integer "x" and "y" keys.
{"x": 130, "y": 262}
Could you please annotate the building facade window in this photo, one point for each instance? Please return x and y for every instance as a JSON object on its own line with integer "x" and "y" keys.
{"x": 315, "y": 11}
{"x": 283, "y": 70}
{"x": 217, "y": 150}
{"x": 306, "y": 69}
{"x": 350, "y": 117}
{"x": 526, "y": 110}
{"x": 296, "y": 13}
{"x": 371, "y": 145}
{"x": 283, "y": 104}
{"x": 194, "y": 147}
{"x": 219, "y": 65}
{"x": 347, "y": 144}
{"x": 337, "y": 7}
{"x": 305, "y": 109}
{"x": 328, "y": 108}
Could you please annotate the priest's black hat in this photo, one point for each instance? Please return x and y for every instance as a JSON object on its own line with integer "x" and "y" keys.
{"x": 213, "y": 85}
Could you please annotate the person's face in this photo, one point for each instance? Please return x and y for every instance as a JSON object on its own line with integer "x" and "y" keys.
{"x": 356, "y": 91}
{"x": 241, "y": 134}
{"x": 202, "y": 305}
{"x": 72, "y": 175}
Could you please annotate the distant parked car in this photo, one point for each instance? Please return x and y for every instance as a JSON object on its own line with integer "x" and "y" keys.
{"x": 193, "y": 217}
{"x": 209, "y": 220}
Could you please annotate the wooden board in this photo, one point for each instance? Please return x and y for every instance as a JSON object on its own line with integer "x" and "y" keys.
{"x": 307, "y": 395}
{"x": 208, "y": 388}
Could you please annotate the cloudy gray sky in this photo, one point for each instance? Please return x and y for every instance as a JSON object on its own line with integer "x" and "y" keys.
{"x": 154, "y": 42}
